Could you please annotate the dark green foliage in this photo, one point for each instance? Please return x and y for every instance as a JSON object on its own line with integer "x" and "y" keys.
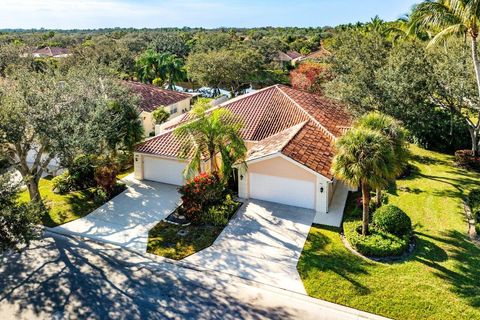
{"x": 160, "y": 115}
{"x": 392, "y": 219}
{"x": 377, "y": 244}
{"x": 18, "y": 222}
{"x": 199, "y": 194}
{"x": 219, "y": 214}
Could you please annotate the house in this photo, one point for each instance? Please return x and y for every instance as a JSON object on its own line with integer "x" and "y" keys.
{"x": 289, "y": 135}
{"x": 51, "y": 52}
{"x": 152, "y": 97}
{"x": 289, "y": 58}
{"x": 316, "y": 56}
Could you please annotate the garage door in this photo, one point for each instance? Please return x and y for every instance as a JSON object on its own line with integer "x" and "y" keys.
{"x": 163, "y": 170}
{"x": 298, "y": 193}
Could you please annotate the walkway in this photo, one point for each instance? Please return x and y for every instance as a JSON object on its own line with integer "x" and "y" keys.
{"x": 126, "y": 219}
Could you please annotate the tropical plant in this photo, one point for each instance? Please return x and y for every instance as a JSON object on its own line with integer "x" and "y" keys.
{"x": 164, "y": 66}
{"x": 397, "y": 138}
{"x": 364, "y": 158}
{"x": 215, "y": 136}
{"x": 160, "y": 115}
{"x": 453, "y": 19}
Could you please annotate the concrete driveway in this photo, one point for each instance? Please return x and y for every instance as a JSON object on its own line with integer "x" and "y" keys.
{"x": 126, "y": 219}
{"x": 263, "y": 242}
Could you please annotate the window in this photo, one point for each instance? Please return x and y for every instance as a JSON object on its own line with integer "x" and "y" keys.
{"x": 173, "y": 110}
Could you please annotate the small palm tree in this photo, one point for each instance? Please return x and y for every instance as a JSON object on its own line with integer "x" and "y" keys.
{"x": 397, "y": 138}
{"x": 213, "y": 135}
{"x": 364, "y": 158}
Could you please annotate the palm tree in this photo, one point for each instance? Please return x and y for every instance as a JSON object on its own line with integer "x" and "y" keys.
{"x": 397, "y": 138}
{"x": 148, "y": 67}
{"x": 167, "y": 67}
{"x": 215, "y": 136}
{"x": 174, "y": 69}
{"x": 453, "y": 18}
{"x": 364, "y": 158}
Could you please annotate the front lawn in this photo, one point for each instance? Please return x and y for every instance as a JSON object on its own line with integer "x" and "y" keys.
{"x": 63, "y": 208}
{"x": 164, "y": 239}
{"x": 441, "y": 280}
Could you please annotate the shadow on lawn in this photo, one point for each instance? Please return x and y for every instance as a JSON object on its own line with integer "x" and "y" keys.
{"x": 342, "y": 262}
{"x": 464, "y": 275}
{"x": 67, "y": 278}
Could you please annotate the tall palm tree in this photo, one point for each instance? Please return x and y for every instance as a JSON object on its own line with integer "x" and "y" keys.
{"x": 213, "y": 135}
{"x": 364, "y": 158}
{"x": 453, "y": 18}
{"x": 174, "y": 69}
{"x": 397, "y": 138}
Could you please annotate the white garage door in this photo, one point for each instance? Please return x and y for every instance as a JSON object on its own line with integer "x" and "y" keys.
{"x": 298, "y": 193}
{"x": 163, "y": 170}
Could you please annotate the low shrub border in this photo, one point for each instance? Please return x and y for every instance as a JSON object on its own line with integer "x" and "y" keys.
{"x": 378, "y": 244}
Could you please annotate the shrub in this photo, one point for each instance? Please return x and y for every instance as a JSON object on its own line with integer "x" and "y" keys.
{"x": 106, "y": 178}
{"x": 218, "y": 215}
{"x": 474, "y": 199}
{"x": 160, "y": 115}
{"x": 377, "y": 244}
{"x": 466, "y": 159}
{"x": 62, "y": 184}
{"x": 82, "y": 172}
{"x": 125, "y": 161}
{"x": 199, "y": 194}
{"x": 393, "y": 220}
{"x": 100, "y": 195}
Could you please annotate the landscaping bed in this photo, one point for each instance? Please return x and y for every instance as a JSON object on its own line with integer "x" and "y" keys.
{"x": 438, "y": 280}
{"x": 178, "y": 242}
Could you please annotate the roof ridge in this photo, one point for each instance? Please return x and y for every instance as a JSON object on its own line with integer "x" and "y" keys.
{"x": 307, "y": 113}
{"x": 226, "y": 103}
{"x": 297, "y": 130}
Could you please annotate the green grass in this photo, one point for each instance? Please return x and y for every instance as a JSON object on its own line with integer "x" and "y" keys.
{"x": 441, "y": 280}
{"x": 62, "y": 208}
{"x": 164, "y": 240}
{"x": 65, "y": 208}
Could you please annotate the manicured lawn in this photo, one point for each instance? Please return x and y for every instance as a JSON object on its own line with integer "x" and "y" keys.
{"x": 441, "y": 280}
{"x": 68, "y": 207}
{"x": 164, "y": 240}
{"x": 63, "y": 208}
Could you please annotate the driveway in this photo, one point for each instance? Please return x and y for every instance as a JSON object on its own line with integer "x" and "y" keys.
{"x": 126, "y": 219}
{"x": 263, "y": 242}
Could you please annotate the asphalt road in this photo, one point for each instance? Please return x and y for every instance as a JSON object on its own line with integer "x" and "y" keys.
{"x": 70, "y": 278}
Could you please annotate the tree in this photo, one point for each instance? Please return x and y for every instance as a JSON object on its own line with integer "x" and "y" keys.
{"x": 54, "y": 116}
{"x": 18, "y": 222}
{"x": 160, "y": 115}
{"x": 397, "y": 138}
{"x": 364, "y": 158}
{"x": 310, "y": 76}
{"x": 455, "y": 18}
{"x": 165, "y": 66}
{"x": 231, "y": 69}
{"x": 215, "y": 136}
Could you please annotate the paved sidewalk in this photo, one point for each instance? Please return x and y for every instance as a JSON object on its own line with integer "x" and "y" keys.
{"x": 126, "y": 219}
{"x": 263, "y": 242}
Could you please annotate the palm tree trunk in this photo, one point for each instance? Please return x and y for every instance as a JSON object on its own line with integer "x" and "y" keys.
{"x": 379, "y": 197}
{"x": 366, "y": 204}
{"x": 476, "y": 65}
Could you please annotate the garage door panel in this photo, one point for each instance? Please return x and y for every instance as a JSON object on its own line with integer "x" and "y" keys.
{"x": 299, "y": 193}
{"x": 163, "y": 170}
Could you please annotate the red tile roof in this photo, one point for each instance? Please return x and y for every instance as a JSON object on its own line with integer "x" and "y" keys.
{"x": 300, "y": 125}
{"x": 153, "y": 97}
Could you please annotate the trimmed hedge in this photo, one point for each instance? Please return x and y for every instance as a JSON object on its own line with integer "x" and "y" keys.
{"x": 377, "y": 244}
{"x": 392, "y": 219}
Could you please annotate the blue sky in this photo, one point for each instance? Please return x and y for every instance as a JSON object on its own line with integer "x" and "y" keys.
{"x": 67, "y": 14}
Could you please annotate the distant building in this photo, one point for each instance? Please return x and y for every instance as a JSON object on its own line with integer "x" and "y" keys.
{"x": 284, "y": 59}
{"x": 51, "y": 52}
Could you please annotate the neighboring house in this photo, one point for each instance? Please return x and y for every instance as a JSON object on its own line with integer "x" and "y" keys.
{"x": 51, "y": 52}
{"x": 284, "y": 59}
{"x": 289, "y": 135}
{"x": 316, "y": 56}
{"x": 152, "y": 97}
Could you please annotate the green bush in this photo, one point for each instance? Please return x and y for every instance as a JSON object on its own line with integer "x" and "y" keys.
{"x": 218, "y": 215}
{"x": 393, "y": 220}
{"x": 62, "y": 184}
{"x": 474, "y": 199}
{"x": 82, "y": 172}
{"x": 377, "y": 244}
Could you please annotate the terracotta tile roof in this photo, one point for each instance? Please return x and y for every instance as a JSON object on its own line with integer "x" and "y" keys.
{"x": 152, "y": 97}
{"x": 293, "y": 54}
{"x": 300, "y": 125}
